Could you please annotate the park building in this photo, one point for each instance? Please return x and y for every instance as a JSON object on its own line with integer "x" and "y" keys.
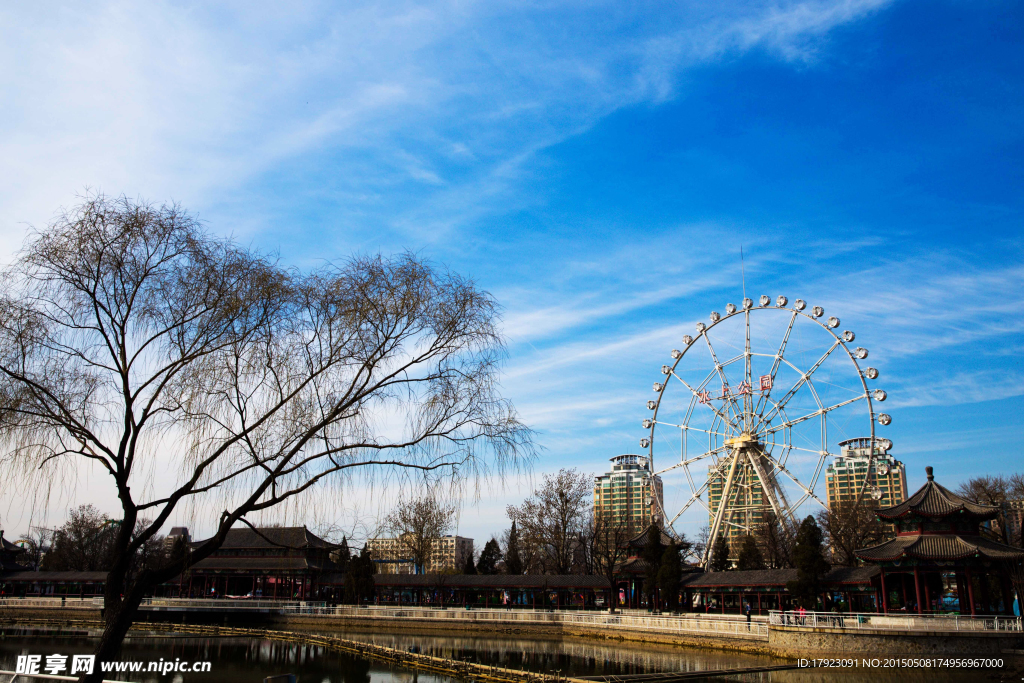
{"x": 392, "y": 555}
{"x": 628, "y": 495}
{"x": 845, "y": 476}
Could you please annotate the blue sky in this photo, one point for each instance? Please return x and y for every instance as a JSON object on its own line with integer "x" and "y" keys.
{"x": 596, "y": 166}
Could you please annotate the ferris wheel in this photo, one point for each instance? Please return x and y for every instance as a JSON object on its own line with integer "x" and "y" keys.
{"x": 751, "y": 412}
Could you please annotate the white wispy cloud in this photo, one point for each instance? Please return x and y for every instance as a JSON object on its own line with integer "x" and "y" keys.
{"x": 196, "y": 103}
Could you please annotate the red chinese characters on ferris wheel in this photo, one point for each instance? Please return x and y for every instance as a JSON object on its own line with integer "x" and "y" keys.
{"x": 766, "y": 382}
{"x": 744, "y": 387}
{"x": 704, "y": 396}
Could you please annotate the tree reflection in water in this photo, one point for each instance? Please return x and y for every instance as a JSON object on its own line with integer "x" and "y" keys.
{"x": 238, "y": 660}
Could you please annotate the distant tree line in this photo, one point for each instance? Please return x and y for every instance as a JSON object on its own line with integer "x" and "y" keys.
{"x": 555, "y": 532}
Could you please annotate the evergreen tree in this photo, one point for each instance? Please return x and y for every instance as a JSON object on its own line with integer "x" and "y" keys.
{"x": 669, "y": 574}
{"x": 809, "y": 559}
{"x": 750, "y": 555}
{"x": 489, "y": 558}
{"x": 719, "y": 555}
{"x": 651, "y": 555}
{"x": 359, "y": 585}
{"x": 343, "y": 556}
{"x": 513, "y": 562}
{"x": 469, "y": 567}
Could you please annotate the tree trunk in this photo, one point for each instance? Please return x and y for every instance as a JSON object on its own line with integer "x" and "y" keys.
{"x": 117, "y": 620}
{"x": 613, "y": 594}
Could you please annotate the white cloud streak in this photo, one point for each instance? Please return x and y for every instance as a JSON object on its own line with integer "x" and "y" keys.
{"x": 197, "y": 103}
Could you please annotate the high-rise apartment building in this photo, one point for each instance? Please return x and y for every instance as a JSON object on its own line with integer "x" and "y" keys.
{"x": 1013, "y": 511}
{"x": 628, "y": 495}
{"x": 392, "y": 556}
{"x": 844, "y": 477}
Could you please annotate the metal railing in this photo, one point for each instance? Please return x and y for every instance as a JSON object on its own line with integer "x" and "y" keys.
{"x": 894, "y": 622}
{"x": 233, "y": 603}
{"x": 739, "y": 628}
{"x": 53, "y": 602}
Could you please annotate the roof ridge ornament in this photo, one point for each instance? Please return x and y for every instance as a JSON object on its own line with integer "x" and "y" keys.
{"x": 930, "y": 472}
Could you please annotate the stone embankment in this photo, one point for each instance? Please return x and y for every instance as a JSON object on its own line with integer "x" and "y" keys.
{"x": 781, "y": 635}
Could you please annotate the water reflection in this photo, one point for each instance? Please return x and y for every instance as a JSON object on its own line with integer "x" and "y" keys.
{"x": 235, "y": 660}
{"x": 584, "y": 657}
{"x": 570, "y": 656}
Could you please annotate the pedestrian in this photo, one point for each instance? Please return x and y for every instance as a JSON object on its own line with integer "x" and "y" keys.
{"x": 803, "y": 614}
{"x": 746, "y": 609}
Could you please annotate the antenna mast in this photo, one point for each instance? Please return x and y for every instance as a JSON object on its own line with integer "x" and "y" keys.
{"x": 743, "y": 274}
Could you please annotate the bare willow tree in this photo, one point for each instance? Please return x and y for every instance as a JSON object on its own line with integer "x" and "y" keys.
{"x": 608, "y": 542}
{"x": 995, "y": 490}
{"x": 850, "y": 527}
{"x": 775, "y": 542}
{"x": 417, "y": 525}
{"x": 554, "y": 518}
{"x": 133, "y": 341}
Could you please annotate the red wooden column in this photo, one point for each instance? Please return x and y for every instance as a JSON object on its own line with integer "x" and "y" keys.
{"x": 960, "y": 592}
{"x": 885, "y": 594}
{"x": 917, "y": 588}
{"x": 970, "y": 591}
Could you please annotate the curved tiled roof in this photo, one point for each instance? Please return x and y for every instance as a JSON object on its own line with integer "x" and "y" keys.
{"x": 935, "y": 500}
{"x": 272, "y": 537}
{"x": 939, "y": 547}
{"x": 640, "y": 540}
{"x": 633, "y": 565}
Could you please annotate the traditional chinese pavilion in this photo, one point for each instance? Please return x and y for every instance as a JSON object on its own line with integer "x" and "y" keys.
{"x": 631, "y": 571}
{"x": 10, "y": 554}
{"x": 275, "y": 562}
{"x": 939, "y": 560}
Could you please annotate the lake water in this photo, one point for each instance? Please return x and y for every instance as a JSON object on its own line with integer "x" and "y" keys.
{"x": 237, "y": 660}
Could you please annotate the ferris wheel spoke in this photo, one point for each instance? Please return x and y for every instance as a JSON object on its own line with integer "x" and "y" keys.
{"x": 696, "y": 395}
{"x": 721, "y": 375}
{"x": 688, "y": 428}
{"x": 781, "y": 468}
{"x": 691, "y": 460}
{"x": 695, "y": 498}
{"x": 804, "y": 378}
{"x": 689, "y": 478}
{"x": 778, "y": 361}
{"x": 809, "y": 416}
{"x": 808, "y": 450}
